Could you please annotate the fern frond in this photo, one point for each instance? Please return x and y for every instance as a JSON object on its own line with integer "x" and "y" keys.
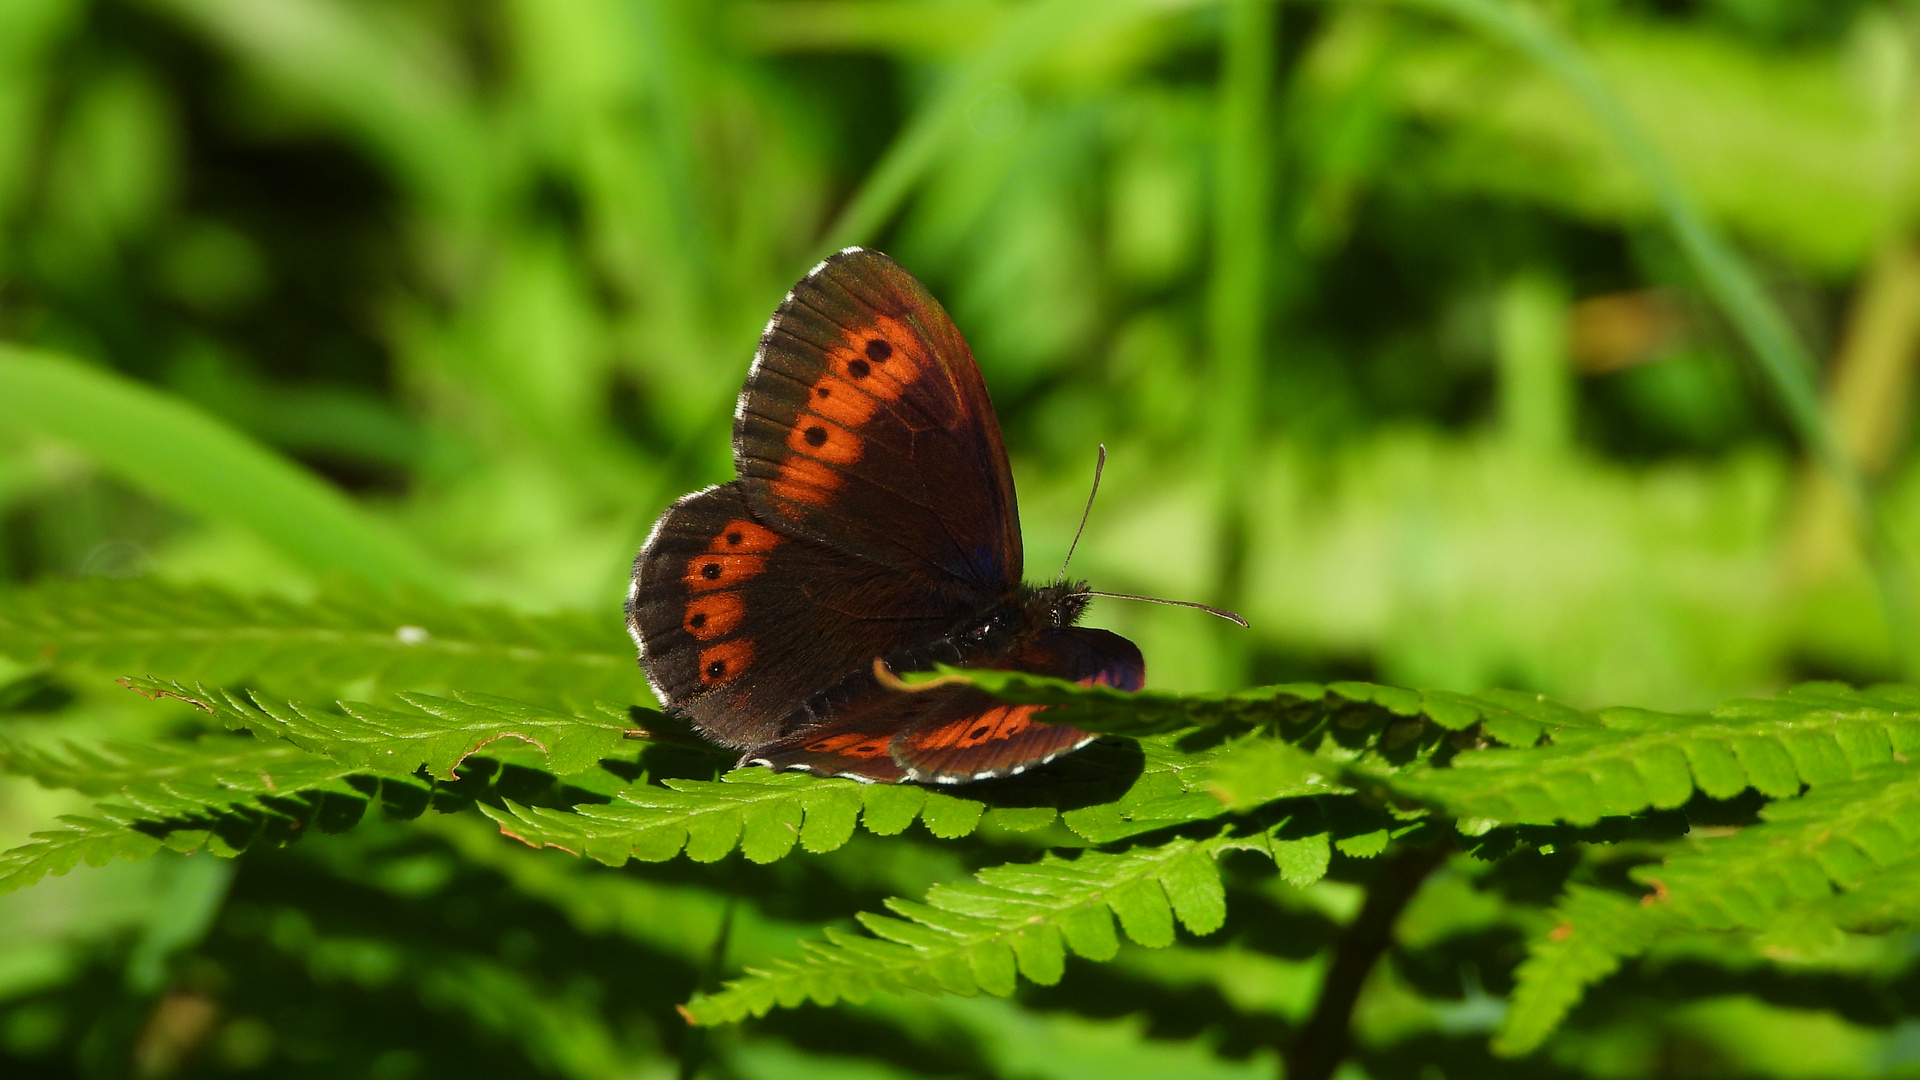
{"x": 94, "y": 841}
{"x": 400, "y": 640}
{"x": 765, "y": 814}
{"x": 1836, "y": 837}
{"x": 1817, "y": 734}
{"x": 1506, "y": 716}
{"x": 222, "y": 794}
{"x": 184, "y": 774}
{"x": 1593, "y": 932}
{"x": 435, "y": 733}
{"x": 1009, "y": 921}
{"x": 1861, "y": 836}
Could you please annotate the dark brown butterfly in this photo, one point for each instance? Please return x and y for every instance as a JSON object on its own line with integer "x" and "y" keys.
{"x": 873, "y": 519}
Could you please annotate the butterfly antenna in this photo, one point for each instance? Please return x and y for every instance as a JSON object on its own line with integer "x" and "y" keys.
{"x": 1209, "y": 609}
{"x": 1098, "y": 468}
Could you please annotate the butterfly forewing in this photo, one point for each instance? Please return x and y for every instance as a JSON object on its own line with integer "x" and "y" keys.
{"x": 865, "y": 425}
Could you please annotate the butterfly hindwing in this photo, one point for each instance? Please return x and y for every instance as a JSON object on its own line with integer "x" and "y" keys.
{"x": 951, "y": 734}
{"x": 1000, "y": 740}
{"x": 740, "y": 624}
{"x": 865, "y": 424}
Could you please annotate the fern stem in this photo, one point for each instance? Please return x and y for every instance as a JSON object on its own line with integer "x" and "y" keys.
{"x": 1322, "y": 1042}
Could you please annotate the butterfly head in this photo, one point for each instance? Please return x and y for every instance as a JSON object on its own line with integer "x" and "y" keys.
{"x": 1056, "y": 606}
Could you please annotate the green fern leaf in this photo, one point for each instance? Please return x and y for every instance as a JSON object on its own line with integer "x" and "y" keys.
{"x": 1838, "y": 836}
{"x": 372, "y": 640}
{"x": 1009, "y": 921}
{"x": 223, "y": 794}
{"x": 94, "y": 841}
{"x": 1510, "y": 717}
{"x": 1859, "y": 836}
{"x": 765, "y": 814}
{"x": 177, "y": 776}
{"x": 1593, "y": 932}
{"x": 1638, "y": 759}
{"x": 435, "y": 733}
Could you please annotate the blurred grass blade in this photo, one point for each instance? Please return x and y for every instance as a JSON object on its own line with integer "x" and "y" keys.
{"x": 1783, "y": 357}
{"x": 182, "y": 455}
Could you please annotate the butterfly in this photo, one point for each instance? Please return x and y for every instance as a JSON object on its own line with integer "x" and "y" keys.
{"x": 872, "y": 529}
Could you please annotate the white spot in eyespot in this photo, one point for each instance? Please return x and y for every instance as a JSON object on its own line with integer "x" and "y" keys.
{"x": 412, "y": 635}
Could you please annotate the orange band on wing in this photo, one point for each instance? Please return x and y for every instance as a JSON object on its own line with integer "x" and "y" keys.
{"x": 713, "y": 615}
{"x": 744, "y": 538}
{"x": 725, "y": 661}
{"x": 840, "y": 401}
{"x": 708, "y": 572}
{"x": 826, "y": 441}
{"x": 858, "y": 744}
{"x": 804, "y": 480}
{"x": 997, "y": 723}
{"x": 877, "y": 358}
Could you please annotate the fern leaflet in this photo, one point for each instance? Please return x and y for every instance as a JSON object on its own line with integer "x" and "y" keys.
{"x": 1510, "y": 717}
{"x": 1009, "y": 921}
{"x": 1815, "y": 734}
{"x": 1593, "y": 931}
{"x": 765, "y": 814}
{"x": 222, "y": 794}
{"x": 95, "y": 841}
{"x": 1860, "y": 835}
{"x": 349, "y": 635}
{"x": 435, "y": 733}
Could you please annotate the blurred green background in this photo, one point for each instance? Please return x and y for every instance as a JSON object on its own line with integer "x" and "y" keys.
{"x": 1390, "y": 336}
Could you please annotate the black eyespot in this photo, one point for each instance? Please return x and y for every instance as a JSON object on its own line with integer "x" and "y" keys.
{"x": 710, "y": 571}
{"x": 698, "y": 621}
{"x": 716, "y": 669}
{"x": 733, "y": 538}
{"x": 878, "y": 351}
{"x": 816, "y": 436}
{"x": 978, "y": 732}
{"x": 821, "y": 391}
{"x": 859, "y": 369}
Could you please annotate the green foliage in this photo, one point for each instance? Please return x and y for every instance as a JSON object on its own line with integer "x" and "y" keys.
{"x": 198, "y": 461}
{"x": 1430, "y": 335}
{"x": 368, "y": 639}
{"x": 435, "y": 734}
{"x": 1837, "y": 858}
{"x": 220, "y": 794}
{"x": 1243, "y": 759}
{"x": 1013, "y": 919}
